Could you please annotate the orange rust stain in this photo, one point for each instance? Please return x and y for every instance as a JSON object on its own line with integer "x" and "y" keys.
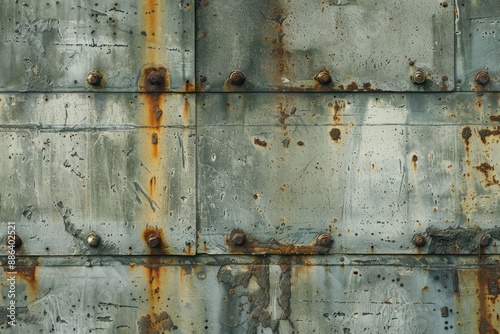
{"x": 352, "y": 86}
{"x": 425, "y": 289}
{"x": 253, "y": 246}
{"x": 153, "y": 275}
{"x": 414, "y": 160}
{"x": 29, "y": 274}
{"x": 152, "y": 186}
{"x": 189, "y": 87}
{"x": 185, "y": 113}
{"x": 162, "y": 248}
{"x": 486, "y": 169}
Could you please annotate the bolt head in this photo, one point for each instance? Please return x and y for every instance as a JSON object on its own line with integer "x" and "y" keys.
{"x": 324, "y": 239}
{"x": 154, "y": 240}
{"x": 238, "y": 238}
{"x": 485, "y": 240}
{"x": 419, "y": 240}
{"x": 18, "y": 242}
{"x": 93, "y": 239}
{"x": 324, "y": 77}
{"x": 237, "y": 78}
{"x": 94, "y": 78}
{"x": 418, "y": 77}
{"x": 482, "y": 78}
{"x": 156, "y": 78}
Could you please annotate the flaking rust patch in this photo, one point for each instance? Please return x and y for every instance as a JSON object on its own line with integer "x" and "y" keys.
{"x": 155, "y": 323}
{"x": 458, "y": 240}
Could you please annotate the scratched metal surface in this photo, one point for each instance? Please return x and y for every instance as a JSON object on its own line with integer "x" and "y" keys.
{"x": 257, "y": 295}
{"x": 52, "y": 45}
{"x": 76, "y": 163}
{"x": 478, "y": 45}
{"x": 365, "y": 45}
{"x": 371, "y": 169}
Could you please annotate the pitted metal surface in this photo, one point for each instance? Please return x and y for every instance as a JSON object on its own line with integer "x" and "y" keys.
{"x": 251, "y": 167}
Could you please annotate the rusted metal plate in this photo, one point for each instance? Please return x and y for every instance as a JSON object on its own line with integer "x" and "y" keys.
{"x": 53, "y": 45}
{"x": 361, "y": 44}
{"x": 478, "y": 45}
{"x": 371, "y": 170}
{"x": 262, "y": 295}
{"x": 120, "y": 165}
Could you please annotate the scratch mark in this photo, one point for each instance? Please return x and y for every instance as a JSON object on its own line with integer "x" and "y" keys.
{"x": 152, "y": 203}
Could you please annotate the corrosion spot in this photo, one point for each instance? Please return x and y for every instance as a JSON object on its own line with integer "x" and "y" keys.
{"x": 414, "y": 158}
{"x": 466, "y": 134}
{"x": 256, "y": 196}
{"x": 155, "y": 323}
{"x": 300, "y": 143}
{"x": 259, "y": 142}
{"x": 154, "y": 79}
{"x": 486, "y": 168}
{"x": 155, "y": 239}
{"x": 483, "y": 133}
{"x": 495, "y": 118}
{"x": 335, "y": 134}
{"x": 352, "y": 86}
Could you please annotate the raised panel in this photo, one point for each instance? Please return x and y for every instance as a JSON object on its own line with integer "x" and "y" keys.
{"x": 364, "y": 45}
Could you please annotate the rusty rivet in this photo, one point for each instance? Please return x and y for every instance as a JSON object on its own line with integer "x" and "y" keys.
{"x": 154, "y": 240}
{"x": 156, "y": 78}
{"x": 154, "y": 138}
{"x": 237, "y": 78}
{"x": 418, "y": 77}
{"x": 485, "y": 240}
{"x": 324, "y": 77}
{"x": 238, "y": 238}
{"x": 324, "y": 240}
{"x": 18, "y": 242}
{"x": 418, "y": 240}
{"x": 93, "y": 239}
{"x": 482, "y": 78}
{"x": 94, "y": 78}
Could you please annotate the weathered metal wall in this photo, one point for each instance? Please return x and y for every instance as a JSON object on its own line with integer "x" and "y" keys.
{"x": 251, "y": 167}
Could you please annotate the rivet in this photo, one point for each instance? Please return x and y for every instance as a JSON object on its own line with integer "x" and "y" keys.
{"x": 418, "y": 77}
{"x": 202, "y": 275}
{"x": 237, "y": 78}
{"x": 154, "y": 138}
{"x": 154, "y": 240}
{"x": 93, "y": 239}
{"x": 324, "y": 77}
{"x": 485, "y": 240}
{"x": 238, "y": 237}
{"x": 94, "y": 78}
{"x": 156, "y": 78}
{"x": 482, "y": 78}
{"x": 18, "y": 242}
{"x": 418, "y": 240}
{"x": 324, "y": 240}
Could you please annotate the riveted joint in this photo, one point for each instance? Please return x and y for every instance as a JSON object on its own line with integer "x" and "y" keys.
{"x": 238, "y": 238}
{"x": 324, "y": 77}
{"x": 154, "y": 240}
{"x": 482, "y": 78}
{"x": 94, "y": 78}
{"x": 93, "y": 239}
{"x": 324, "y": 240}
{"x": 419, "y": 240}
{"x": 418, "y": 77}
{"x": 237, "y": 78}
{"x": 485, "y": 240}
{"x": 156, "y": 78}
{"x": 13, "y": 241}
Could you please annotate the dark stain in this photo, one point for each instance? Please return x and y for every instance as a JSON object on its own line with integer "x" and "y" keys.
{"x": 485, "y": 327}
{"x": 256, "y": 196}
{"x": 486, "y": 168}
{"x": 495, "y": 118}
{"x": 483, "y": 133}
{"x": 335, "y": 134}
{"x": 444, "y": 312}
{"x": 443, "y": 86}
{"x": 459, "y": 240}
{"x": 146, "y": 86}
{"x": 300, "y": 143}
{"x": 352, "y": 87}
{"x": 286, "y": 142}
{"x": 414, "y": 160}
{"x": 466, "y": 134}
{"x": 259, "y": 142}
{"x": 255, "y": 247}
{"x": 155, "y": 323}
